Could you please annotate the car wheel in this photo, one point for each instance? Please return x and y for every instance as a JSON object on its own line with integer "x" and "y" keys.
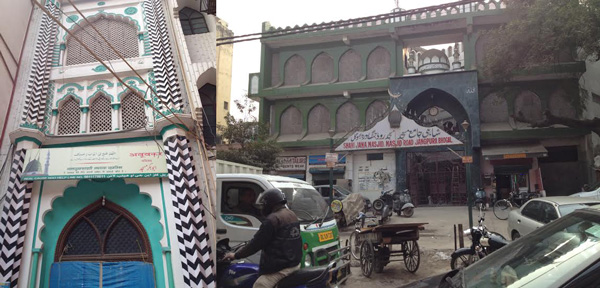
{"x": 515, "y": 235}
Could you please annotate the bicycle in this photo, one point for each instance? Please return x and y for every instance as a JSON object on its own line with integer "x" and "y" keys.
{"x": 503, "y": 207}
{"x": 358, "y": 225}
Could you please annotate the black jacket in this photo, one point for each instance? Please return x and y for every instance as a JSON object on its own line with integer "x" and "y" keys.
{"x": 280, "y": 242}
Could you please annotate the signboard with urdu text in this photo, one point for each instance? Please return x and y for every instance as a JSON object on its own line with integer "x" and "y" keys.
{"x": 409, "y": 134}
{"x": 94, "y": 162}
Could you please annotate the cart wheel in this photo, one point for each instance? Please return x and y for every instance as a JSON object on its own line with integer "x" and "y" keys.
{"x": 367, "y": 258}
{"x": 412, "y": 256}
{"x": 354, "y": 245}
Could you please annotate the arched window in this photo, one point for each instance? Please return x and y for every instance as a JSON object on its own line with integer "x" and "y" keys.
{"x": 122, "y": 36}
{"x": 103, "y": 231}
{"x": 322, "y": 69}
{"x": 375, "y": 111}
{"x": 295, "y": 71}
{"x": 100, "y": 114}
{"x": 291, "y": 121}
{"x": 350, "y": 66}
{"x": 318, "y": 120}
{"x": 347, "y": 117}
{"x": 69, "y": 117}
{"x": 133, "y": 114}
{"x": 378, "y": 64}
{"x": 529, "y": 104}
{"x": 192, "y": 22}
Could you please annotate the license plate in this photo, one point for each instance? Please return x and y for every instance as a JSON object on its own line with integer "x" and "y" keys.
{"x": 324, "y": 236}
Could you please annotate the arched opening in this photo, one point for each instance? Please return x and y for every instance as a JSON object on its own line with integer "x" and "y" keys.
{"x": 322, "y": 68}
{"x": 133, "y": 111}
{"x": 69, "y": 116}
{"x": 100, "y": 114}
{"x": 103, "y": 231}
{"x": 103, "y": 245}
{"x": 294, "y": 71}
{"x": 291, "y": 121}
{"x": 437, "y": 177}
{"x": 123, "y": 35}
{"x": 192, "y": 22}
{"x": 318, "y": 120}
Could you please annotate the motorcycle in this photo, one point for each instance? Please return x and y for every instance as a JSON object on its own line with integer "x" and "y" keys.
{"x": 484, "y": 242}
{"x": 243, "y": 275}
{"x": 403, "y": 204}
{"x": 396, "y": 202}
{"x": 384, "y": 205}
{"x": 480, "y": 200}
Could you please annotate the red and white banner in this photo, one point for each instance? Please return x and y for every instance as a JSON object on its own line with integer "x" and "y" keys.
{"x": 409, "y": 134}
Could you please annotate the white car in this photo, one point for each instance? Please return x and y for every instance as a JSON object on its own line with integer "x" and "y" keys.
{"x": 539, "y": 211}
{"x": 593, "y": 194}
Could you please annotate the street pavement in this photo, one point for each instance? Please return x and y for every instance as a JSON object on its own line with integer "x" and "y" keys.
{"x": 436, "y": 244}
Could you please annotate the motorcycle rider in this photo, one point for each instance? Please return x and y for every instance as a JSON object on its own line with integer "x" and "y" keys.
{"x": 279, "y": 239}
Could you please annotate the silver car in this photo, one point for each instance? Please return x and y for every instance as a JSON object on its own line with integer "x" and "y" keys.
{"x": 539, "y": 211}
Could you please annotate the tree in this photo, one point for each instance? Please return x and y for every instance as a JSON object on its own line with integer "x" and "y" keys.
{"x": 256, "y": 148}
{"x": 540, "y": 33}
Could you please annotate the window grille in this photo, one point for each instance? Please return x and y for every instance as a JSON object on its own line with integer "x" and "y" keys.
{"x": 133, "y": 112}
{"x": 69, "y": 118}
{"x": 121, "y": 35}
{"x": 192, "y": 22}
{"x": 103, "y": 232}
{"x": 100, "y": 115}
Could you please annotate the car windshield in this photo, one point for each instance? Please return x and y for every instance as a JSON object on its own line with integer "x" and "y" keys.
{"x": 343, "y": 191}
{"x": 304, "y": 200}
{"x": 566, "y": 209}
{"x": 543, "y": 257}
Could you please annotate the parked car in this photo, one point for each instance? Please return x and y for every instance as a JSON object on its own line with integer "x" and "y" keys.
{"x": 339, "y": 193}
{"x": 564, "y": 253}
{"x": 540, "y": 211}
{"x": 593, "y": 194}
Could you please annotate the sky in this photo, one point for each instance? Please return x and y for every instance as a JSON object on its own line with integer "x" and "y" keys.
{"x": 246, "y": 17}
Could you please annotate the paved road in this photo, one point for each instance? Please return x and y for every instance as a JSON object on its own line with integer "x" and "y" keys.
{"x": 436, "y": 244}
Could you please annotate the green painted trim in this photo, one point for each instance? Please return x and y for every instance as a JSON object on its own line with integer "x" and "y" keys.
{"x": 36, "y": 251}
{"x": 66, "y": 96}
{"x": 100, "y": 142}
{"x": 34, "y": 264}
{"x": 167, "y": 252}
{"x": 95, "y": 176}
{"x": 101, "y": 3}
{"x": 85, "y": 110}
{"x": 124, "y": 92}
{"x": 85, "y": 193}
{"x": 130, "y": 78}
{"x": 539, "y": 133}
{"x": 130, "y": 10}
{"x": 172, "y": 126}
{"x": 54, "y": 112}
{"x": 99, "y": 68}
{"x": 116, "y": 106}
{"x": 27, "y": 138}
{"x": 100, "y": 89}
{"x": 108, "y": 83}
{"x": 79, "y": 87}
{"x": 284, "y": 92}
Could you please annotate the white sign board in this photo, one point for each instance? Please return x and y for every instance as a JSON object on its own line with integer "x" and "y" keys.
{"x": 409, "y": 134}
{"x": 291, "y": 163}
{"x": 331, "y": 157}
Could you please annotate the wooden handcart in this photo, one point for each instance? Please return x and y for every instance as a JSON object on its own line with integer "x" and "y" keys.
{"x": 377, "y": 246}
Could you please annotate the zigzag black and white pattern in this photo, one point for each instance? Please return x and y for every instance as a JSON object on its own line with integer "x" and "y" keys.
{"x": 167, "y": 85}
{"x": 13, "y": 221}
{"x": 194, "y": 245}
{"x": 37, "y": 89}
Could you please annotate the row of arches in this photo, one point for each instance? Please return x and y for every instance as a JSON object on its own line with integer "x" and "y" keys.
{"x": 495, "y": 108}
{"x": 350, "y": 68}
{"x": 104, "y": 116}
{"x": 319, "y": 119}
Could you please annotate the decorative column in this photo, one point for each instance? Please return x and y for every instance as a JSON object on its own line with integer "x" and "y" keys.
{"x": 115, "y": 116}
{"x": 84, "y": 119}
{"x": 192, "y": 235}
{"x": 52, "y": 128}
{"x": 14, "y": 214}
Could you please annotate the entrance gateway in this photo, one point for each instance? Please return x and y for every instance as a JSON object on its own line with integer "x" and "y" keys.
{"x": 423, "y": 128}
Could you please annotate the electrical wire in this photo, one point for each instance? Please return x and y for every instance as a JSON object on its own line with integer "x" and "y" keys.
{"x": 336, "y": 24}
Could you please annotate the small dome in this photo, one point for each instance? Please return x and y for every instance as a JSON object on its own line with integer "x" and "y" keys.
{"x": 433, "y": 61}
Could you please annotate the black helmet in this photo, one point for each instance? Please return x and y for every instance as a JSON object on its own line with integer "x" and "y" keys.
{"x": 268, "y": 199}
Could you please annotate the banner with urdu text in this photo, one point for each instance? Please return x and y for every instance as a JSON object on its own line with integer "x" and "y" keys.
{"x": 409, "y": 134}
{"x": 94, "y": 162}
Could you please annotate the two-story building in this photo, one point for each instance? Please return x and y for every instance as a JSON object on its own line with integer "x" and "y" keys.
{"x": 341, "y": 77}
